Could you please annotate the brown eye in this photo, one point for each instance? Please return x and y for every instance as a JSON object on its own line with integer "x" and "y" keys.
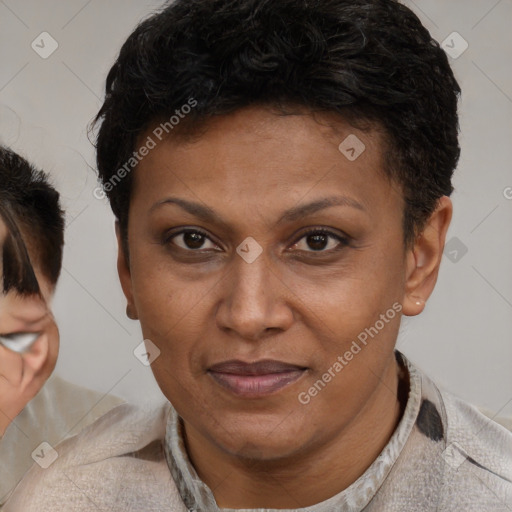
{"x": 317, "y": 242}
{"x": 320, "y": 241}
{"x": 191, "y": 239}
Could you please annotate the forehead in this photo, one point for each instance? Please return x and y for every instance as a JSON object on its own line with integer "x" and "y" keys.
{"x": 254, "y": 154}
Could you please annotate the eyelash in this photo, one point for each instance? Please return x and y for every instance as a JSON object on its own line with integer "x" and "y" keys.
{"x": 343, "y": 241}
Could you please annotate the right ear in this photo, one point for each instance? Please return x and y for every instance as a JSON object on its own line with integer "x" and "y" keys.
{"x": 125, "y": 277}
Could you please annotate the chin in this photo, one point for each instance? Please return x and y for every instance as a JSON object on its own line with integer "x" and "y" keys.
{"x": 260, "y": 444}
{"x": 252, "y": 450}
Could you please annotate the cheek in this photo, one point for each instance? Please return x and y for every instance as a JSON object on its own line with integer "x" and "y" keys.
{"x": 171, "y": 318}
{"x": 343, "y": 302}
{"x": 171, "y": 313}
{"x": 345, "y": 392}
{"x": 354, "y": 315}
{"x": 178, "y": 374}
{"x": 161, "y": 299}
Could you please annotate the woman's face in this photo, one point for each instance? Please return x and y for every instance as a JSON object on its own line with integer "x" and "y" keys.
{"x": 223, "y": 273}
{"x": 24, "y": 319}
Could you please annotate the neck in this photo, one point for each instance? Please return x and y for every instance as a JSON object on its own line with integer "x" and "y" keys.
{"x": 310, "y": 476}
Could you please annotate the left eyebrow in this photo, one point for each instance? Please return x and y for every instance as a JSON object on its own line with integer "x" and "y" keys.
{"x": 308, "y": 209}
{"x": 209, "y": 215}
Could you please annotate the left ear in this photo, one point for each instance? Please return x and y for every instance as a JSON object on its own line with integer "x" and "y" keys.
{"x": 125, "y": 278}
{"x": 424, "y": 259}
{"x": 39, "y": 362}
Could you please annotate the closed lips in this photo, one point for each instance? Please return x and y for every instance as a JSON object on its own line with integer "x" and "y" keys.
{"x": 263, "y": 367}
{"x": 255, "y": 380}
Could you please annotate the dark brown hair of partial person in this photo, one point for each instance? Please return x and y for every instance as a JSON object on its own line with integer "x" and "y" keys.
{"x": 370, "y": 61}
{"x": 30, "y": 209}
{"x": 17, "y": 271}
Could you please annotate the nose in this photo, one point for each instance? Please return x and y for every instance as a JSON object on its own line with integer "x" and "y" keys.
{"x": 255, "y": 301}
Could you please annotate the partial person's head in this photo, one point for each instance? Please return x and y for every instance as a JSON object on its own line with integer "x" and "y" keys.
{"x": 31, "y": 245}
{"x": 31, "y": 212}
{"x": 280, "y": 173}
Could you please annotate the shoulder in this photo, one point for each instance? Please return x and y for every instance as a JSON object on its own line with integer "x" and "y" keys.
{"x": 478, "y": 455}
{"x": 117, "y": 463}
{"x": 456, "y": 458}
{"x": 505, "y": 421}
{"x": 58, "y": 411}
{"x": 123, "y": 429}
{"x": 74, "y": 404}
{"x": 485, "y": 441}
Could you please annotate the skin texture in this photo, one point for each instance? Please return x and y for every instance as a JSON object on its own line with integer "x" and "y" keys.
{"x": 23, "y": 375}
{"x": 293, "y": 303}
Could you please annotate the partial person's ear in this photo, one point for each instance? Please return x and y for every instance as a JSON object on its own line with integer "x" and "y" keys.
{"x": 123, "y": 270}
{"x": 39, "y": 362}
{"x": 23, "y": 375}
{"x": 424, "y": 259}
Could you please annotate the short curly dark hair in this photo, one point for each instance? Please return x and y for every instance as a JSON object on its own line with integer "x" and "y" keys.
{"x": 370, "y": 61}
{"x": 30, "y": 208}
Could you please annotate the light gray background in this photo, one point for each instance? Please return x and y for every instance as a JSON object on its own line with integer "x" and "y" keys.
{"x": 463, "y": 337}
